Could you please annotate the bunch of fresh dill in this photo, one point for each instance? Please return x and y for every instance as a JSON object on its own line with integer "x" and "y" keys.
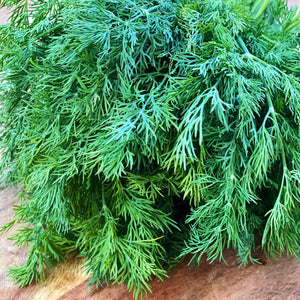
{"x": 144, "y": 130}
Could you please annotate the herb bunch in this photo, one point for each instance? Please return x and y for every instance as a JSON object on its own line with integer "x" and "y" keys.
{"x": 145, "y": 130}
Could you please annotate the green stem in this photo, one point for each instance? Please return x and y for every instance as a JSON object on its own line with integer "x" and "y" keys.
{"x": 243, "y": 45}
{"x": 50, "y": 30}
{"x": 283, "y": 156}
{"x": 295, "y": 22}
{"x": 272, "y": 111}
{"x": 251, "y": 56}
{"x": 256, "y": 5}
{"x": 263, "y": 5}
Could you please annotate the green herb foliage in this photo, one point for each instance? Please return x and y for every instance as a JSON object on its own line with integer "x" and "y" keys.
{"x": 145, "y": 130}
